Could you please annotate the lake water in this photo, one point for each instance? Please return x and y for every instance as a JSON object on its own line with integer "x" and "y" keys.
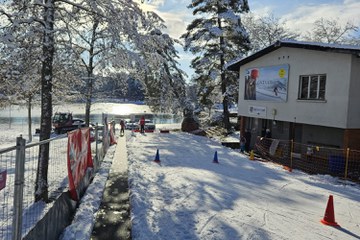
{"x": 17, "y": 115}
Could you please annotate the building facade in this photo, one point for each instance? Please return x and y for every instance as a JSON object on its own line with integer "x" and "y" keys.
{"x": 308, "y": 92}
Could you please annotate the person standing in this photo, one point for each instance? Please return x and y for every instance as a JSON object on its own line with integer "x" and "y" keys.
{"x": 122, "y": 127}
{"x": 247, "y": 136}
{"x": 142, "y": 124}
{"x": 268, "y": 133}
{"x": 242, "y": 144}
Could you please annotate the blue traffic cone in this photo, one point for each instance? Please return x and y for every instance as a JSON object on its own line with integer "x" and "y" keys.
{"x": 157, "y": 157}
{"x": 215, "y": 158}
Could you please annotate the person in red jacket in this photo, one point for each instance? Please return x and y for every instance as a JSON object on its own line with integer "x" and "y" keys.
{"x": 122, "y": 127}
{"x": 142, "y": 124}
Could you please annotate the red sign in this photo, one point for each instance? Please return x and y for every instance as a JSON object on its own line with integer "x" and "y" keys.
{"x": 3, "y": 179}
{"x": 79, "y": 158}
{"x": 112, "y": 137}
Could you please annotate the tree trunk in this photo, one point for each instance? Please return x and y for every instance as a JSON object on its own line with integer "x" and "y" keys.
{"x": 226, "y": 117}
{"x": 41, "y": 186}
{"x": 88, "y": 99}
{"x": 29, "y": 118}
{"x": 225, "y": 102}
{"x": 90, "y": 70}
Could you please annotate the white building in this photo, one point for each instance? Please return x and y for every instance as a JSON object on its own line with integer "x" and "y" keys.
{"x": 309, "y": 92}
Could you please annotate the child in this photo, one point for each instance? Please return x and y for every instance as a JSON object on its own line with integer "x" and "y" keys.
{"x": 242, "y": 144}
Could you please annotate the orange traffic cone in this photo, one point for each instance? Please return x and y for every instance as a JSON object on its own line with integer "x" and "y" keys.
{"x": 215, "y": 158}
{"x": 288, "y": 168}
{"x": 329, "y": 217}
{"x": 157, "y": 157}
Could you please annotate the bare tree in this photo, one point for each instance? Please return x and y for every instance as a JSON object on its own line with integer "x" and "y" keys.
{"x": 41, "y": 17}
{"x": 99, "y": 32}
{"x": 22, "y": 81}
{"x": 331, "y": 31}
{"x": 266, "y": 30}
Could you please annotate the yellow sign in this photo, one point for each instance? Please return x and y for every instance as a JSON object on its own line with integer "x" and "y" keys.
{"x": 282, "y": 73}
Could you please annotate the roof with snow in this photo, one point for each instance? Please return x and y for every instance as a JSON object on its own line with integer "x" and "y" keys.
{"x": 327, "y": 47}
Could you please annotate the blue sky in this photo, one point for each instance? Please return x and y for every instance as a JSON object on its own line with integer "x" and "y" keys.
{"x": 298, "y": 14}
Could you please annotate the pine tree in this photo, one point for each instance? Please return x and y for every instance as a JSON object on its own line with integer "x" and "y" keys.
{"x": 158, "y": 69}
{"x": 216, "y": 37}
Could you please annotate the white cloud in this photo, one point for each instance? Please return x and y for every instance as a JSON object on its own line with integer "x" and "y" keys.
{"x": 176, "y": 22}
{"x": 174, "y": 13}
{"x": 152, "y": 5}
{"x": 303, "y": 17}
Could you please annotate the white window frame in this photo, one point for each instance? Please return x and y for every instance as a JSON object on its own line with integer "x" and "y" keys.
{"x": 309, "y": 90}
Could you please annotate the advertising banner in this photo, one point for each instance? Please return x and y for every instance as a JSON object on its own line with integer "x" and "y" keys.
{"x": 3, "y": 179}
{"x": 79, "y": 158}
{"x": 267, "y": 83}
{"x": 112, "y": 136}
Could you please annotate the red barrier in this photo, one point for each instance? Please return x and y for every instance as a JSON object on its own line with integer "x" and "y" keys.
{"x": 3, "y": 179}
{"x": 78, "y": 158}
{"x": 112, "y": 137}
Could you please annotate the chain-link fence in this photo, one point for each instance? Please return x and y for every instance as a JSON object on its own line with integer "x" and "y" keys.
{"x": 7, "y": 168}
{"x": 19, "y": 212}
{"x": 313, "y": 159}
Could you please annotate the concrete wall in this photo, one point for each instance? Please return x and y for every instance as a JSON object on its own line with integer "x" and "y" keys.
{"x": 333, "y": 112}
{"x": 324, "y": 136}
{"x": 353, "y": 120}
{"x": 281, "y": 130}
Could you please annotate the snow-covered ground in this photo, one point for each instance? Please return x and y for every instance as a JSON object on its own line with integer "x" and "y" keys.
{"x": 187, "y": 196}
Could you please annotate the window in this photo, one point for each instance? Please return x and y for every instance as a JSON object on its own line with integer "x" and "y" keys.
{"x": 312, "y": 87}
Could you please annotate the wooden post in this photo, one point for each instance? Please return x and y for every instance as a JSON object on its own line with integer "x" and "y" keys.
{"x": 347, "y": 162}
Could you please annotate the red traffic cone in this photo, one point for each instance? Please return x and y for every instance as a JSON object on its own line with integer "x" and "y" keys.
{"x": 329, "y": 217}
{"x": 215, "y": 158}
{"x": 157, "y": 157}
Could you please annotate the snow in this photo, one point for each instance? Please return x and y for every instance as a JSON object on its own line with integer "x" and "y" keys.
{"x": 84, "y": 220}
{"x": 320, "y": 44}
{"x": 187, "y": 196}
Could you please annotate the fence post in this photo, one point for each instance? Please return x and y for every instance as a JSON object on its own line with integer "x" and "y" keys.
{"x": 18, "y": 188}
{"x": 96, "y": 144}
{"x": 291, "y": 153}
{"x": 347, "y": 162}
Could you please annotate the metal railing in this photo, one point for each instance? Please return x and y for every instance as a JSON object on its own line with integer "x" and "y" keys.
{"x": 19, "y": 212}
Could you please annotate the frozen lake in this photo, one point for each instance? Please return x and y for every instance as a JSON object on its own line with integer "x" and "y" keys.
{"x": 13, "y": 121}
{"x": 17, "y": 115}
